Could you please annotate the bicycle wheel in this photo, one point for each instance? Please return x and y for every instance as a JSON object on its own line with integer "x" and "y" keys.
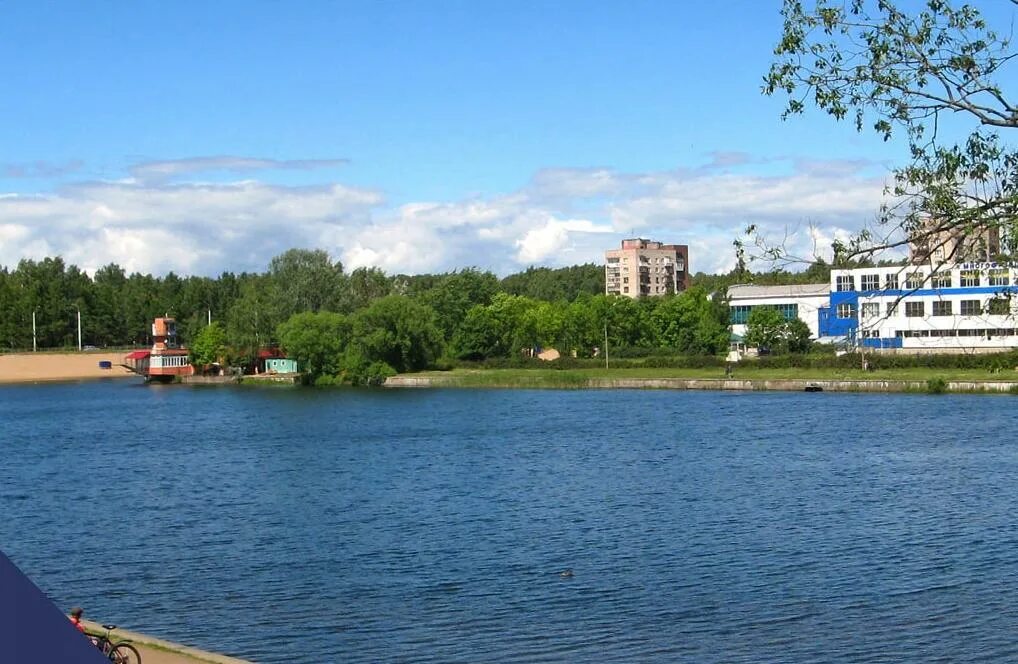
{"x": 125, "y": 653}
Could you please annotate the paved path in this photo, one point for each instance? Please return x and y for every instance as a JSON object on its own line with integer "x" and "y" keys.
{"x": 158, "y": 651}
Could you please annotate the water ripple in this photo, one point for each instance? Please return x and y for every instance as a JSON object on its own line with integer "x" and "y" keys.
{"x": 433, "y": 526}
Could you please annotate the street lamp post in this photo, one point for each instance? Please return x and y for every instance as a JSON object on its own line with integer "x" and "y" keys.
{"x": 79, "y": 328}
{"x": 33, "y": 330}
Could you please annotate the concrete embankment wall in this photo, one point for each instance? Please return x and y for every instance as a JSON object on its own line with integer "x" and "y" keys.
{"x": 786, "y": 385}
{"x": 158, "y": 651}
{"x": 209, "y": 380}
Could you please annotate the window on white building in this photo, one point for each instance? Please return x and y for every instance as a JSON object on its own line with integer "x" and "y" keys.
{"x": 914, "y": 281}
{"x": 942, "y": 308}
{"x": 845, "y": 282}
{"x": 739, "y": 313}
{"x": 870, "y": 281}
{"x": 999, "y": 277}
{"x": 892, "y": 309}
{"x": 969, "y": 278}
{"x": 971, "y": 308}
{"x": 941, "y": 280}
{"x": 915, "y": 309}
{"x": 870, "y": 310}
{"x": 891, "y": 282}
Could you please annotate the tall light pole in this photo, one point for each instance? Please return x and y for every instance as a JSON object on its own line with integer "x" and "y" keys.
{"x": 79, "y": 328}
{"x": 33, "y": 330}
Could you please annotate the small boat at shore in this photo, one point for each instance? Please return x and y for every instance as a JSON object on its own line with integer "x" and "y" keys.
{"x": 813, "y": 387}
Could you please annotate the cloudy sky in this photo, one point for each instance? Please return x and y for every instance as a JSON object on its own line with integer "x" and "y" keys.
{"x": 412, "y": 136}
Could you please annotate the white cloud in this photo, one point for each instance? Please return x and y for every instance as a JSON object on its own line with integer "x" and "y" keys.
{"x": 170, "y": 168}
{"x": 186, "y": 228}
{"x": 40, "y": 169}
{"x": 551, "y": 238}
{"x": 561, "y": 217}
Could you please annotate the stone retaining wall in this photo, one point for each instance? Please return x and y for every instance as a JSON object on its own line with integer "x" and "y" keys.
{"x": 786, "y": 385}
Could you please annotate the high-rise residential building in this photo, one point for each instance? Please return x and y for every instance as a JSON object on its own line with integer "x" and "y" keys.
{"x": 644, "y": 268}
{"x": 936, "y": 244}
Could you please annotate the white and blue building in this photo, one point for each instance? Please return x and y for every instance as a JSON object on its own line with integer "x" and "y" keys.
{"x": 963, "y": 307}
{"x": 967, "y": 307}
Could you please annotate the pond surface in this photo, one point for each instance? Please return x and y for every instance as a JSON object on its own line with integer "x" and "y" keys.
{"x": 434, "y": 525}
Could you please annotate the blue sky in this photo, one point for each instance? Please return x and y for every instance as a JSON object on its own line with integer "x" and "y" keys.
{"x": 416, "y": 136}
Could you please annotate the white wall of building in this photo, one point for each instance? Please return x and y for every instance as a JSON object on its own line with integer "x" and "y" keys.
{"x": 806, "y": 301}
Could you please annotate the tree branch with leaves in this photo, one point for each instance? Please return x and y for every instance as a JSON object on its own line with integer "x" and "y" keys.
{"x": 930, "y": 76}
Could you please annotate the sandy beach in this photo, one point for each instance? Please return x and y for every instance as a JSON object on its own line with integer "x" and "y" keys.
{"x": 48, "y": 367}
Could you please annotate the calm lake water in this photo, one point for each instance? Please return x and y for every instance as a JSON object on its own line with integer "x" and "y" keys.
{"x": 432, "y": 526}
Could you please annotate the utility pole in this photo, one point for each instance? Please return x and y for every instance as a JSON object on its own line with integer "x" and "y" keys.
{"x": 862, "y": 352}
{"x": 33, "y": 330}
{"x": 79, "y": 330}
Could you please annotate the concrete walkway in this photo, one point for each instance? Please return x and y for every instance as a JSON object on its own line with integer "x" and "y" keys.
{"x": 158, "y": 651}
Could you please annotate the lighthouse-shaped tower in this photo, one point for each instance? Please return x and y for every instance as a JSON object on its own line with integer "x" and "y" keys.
{"x": 168, "y": 358}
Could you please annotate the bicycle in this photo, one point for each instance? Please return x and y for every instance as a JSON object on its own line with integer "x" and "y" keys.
{"x": 120, "y": 652}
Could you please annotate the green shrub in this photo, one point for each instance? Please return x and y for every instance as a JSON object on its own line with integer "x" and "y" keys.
{"x": 936, "y": 386}
{"x": 373, "y": 373}
{"x": 443, "y": 364}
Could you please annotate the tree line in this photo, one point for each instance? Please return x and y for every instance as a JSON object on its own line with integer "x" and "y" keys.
{"x": 364, "y": 323}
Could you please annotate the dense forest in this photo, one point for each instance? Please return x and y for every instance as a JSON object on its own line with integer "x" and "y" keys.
{"x": 342, "y": 323}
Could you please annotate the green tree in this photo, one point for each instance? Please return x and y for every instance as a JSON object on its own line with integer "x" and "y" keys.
{"x": 453, "y": 294}
{"x": 109, "y": 316}
{"x": 797, "y": 336}
{"x": 765, "y": 328}
{"x": 581, "y": 326}
{"x": 542, "y": 325}
{"x": 11, "y": 337}
{"x": 307, "y": 280}
{"x": 316, "y": 341}
{"x": 921, "y": 73}
{"x": 252, "y": 319}
{"x": 479, "y": 336}
{"x": 208, "y": 346}
{"x": 365, "y": 285}
{"x": 397, "y": 331}
{"x": 628, "y": 321}
{"x": 689, "y": 323}
{"x": 556, "y": 284}
{"x": 55, "y": 292}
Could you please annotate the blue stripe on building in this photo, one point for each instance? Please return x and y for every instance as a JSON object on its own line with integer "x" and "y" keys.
{"x": 941, "y": 292}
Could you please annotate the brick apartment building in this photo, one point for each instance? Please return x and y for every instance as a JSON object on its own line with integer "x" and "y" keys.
{"x": 643, "y": 268}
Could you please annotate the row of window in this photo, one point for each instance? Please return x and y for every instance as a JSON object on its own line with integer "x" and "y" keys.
{"x": 739, "y": 313}
{"x": 169, "y": 361}
{"x": 917, "y": 280}
{"x": 997, "y": 306}
{"x": 989, "y": 333}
